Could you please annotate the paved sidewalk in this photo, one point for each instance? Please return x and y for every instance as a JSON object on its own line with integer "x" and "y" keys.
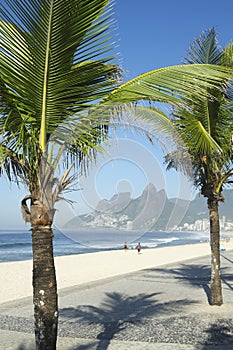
{"x": 26, "y": 342}
{"x": 163, "y": 308}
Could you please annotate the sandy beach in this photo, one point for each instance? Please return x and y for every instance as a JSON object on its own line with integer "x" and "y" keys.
{"x": 72, "y": 270}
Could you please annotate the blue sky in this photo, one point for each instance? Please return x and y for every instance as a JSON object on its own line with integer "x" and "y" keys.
{"x": 155, "y": 33}
{"x": 150, "y": 34}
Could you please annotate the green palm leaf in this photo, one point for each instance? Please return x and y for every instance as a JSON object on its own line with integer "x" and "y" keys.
{"x": 174, "y": 84}
{"x": 11, "y": 164}
{"x": 205, "y": 49}
{"x": 53, "y": 65}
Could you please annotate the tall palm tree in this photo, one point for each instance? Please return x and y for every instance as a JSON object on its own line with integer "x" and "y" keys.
{"x": 54, "y": 67}
{"x": 208, "y": 134}
{"x": 207, "y": 131}
{"x": 55, "y": 63}
{"x": 202, "y": 128}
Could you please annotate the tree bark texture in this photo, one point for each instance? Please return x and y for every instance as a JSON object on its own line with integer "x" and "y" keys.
{"x": 44, "y": 278}
{"x": 215, "y": 284}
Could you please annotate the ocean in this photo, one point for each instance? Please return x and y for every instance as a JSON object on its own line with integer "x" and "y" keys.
{"x": 16, "y": 245}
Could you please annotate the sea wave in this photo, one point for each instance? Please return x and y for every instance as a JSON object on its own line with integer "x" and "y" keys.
{"x": 160, "y": 241}
{"x": 14, "y": 245}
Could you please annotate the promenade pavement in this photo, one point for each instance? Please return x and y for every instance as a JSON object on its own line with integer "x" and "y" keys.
{"x": 163, "y": 308}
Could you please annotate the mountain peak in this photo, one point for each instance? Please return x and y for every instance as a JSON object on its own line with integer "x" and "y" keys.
{"x": 150, "y": 188}
{"x": 117, "y": 203}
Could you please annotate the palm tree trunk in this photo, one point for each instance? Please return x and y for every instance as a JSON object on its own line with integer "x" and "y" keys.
{"x": 44, "y": 275}
{"x": 44, "y": 288}
{"x": 215, "y": 284}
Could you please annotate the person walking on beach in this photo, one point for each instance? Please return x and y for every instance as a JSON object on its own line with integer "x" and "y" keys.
{"x": 139, "y": 247}
{"x": 125, "y": 246}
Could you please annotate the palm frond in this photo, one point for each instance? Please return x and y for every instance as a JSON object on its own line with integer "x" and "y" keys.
{"x": 11, "y": 164}
{"x": 227, "y": 56}
{"x": 174, "y": 84}
{"x": 63, "y": 185}
{"x": 205, "y": 49}
{"x": 55, "y": 58}
{"x": 197, "y": 137}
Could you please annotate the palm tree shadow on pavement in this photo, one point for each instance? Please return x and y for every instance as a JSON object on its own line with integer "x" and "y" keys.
{"x": 219, "y": 335}
{"x": 88, "y": 346}
{"x": 91, "y": 345}
{"x": 197, "y": 276}
{"x": 116, "y": 313}
{"x": 79, "y": 347}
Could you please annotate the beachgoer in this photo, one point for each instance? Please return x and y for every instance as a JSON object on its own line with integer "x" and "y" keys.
{"x": 125, "y": 246}
{"x": 139, "y": 247}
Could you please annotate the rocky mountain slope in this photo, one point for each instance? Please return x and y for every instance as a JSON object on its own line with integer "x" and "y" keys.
{"x": 151, "y": 210}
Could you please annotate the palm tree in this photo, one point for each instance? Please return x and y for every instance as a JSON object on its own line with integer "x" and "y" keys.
{"x": 55, "y": 63}
{"x": 213, "y": 168}
{"x": 202, "y": 128}
{"x": 55, "y": 67}
{"x": 207, "y": 131}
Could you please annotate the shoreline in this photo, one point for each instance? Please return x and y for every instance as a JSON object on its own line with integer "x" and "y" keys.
{"x": 78, "y": 269}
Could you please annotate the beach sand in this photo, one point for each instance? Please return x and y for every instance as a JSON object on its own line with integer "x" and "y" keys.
{"x": 72, "y": 270}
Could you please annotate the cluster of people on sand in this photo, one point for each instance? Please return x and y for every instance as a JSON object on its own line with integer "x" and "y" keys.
{"x": 138, "y": 247}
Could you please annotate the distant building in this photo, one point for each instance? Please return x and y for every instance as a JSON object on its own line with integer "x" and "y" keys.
{"x": 129, "y": 225}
